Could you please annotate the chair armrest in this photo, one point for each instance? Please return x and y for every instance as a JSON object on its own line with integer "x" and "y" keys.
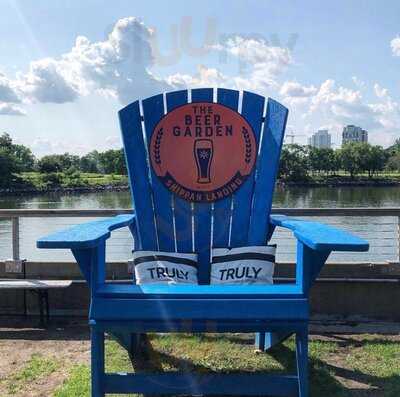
{"x": 320, "y": 237}
{"x": 86, "y": 235}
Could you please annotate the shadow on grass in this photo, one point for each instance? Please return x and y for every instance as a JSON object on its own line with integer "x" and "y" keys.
{"x": 323, "y": 376}
{"x": 21, "y": 328}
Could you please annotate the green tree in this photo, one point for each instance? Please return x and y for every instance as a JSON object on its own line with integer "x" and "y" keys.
{"x": 349, "y": 159}
{"x": 14, "y": 159}
{"x": 6, "y": 141}
{"x": 49, "y": 164}
{"x": 112, "y": 162}
{"x": 321, "y": 159}
{"x": 293, "y": 164}
{"x": 90, "y": 162}
{"x": 370, "y": 158}
{"x": 393, "y": 162}
{"x": 8, "y": 166}
{"x": 23, "y": 156}
{"x": 68, "y": 160}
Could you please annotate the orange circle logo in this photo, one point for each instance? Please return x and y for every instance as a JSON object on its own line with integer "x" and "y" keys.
{"x": 203, "y": 151}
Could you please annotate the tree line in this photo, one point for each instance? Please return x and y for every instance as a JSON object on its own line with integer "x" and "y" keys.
{"x": 297, "y": 163}
{"x": 16, "y": 159}
{"x": 300, "y": 163}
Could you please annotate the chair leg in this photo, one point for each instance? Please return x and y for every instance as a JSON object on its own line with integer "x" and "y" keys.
{"x": 259, "y": 343}
{"x": 266, "y": 340}
{"x": 97, "y": 363}
{"x": 302, "y": 362}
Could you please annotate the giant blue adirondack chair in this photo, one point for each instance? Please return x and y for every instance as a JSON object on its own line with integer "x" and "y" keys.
{"x": 164, "y": 221}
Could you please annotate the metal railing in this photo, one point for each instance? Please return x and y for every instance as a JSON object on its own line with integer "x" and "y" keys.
{"x": 380, "y": 226}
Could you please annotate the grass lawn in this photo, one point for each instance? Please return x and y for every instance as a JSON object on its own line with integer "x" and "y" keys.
{"x": 85, "y": 179}
{"x": 358, "y": 365}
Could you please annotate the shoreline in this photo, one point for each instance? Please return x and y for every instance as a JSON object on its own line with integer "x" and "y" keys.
{"x": 341, "y": 183}
{"x": 122, "y": 188}
{"x": 63, "y": 190}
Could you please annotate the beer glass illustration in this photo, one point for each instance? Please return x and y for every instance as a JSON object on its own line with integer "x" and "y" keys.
{"x": 203, "y": 154}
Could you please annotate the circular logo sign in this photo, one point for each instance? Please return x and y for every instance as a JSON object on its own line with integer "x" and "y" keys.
{"x": 203, "y": 151}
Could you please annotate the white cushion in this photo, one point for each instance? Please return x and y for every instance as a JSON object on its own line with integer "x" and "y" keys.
{"x": 243, "y": 265}
{"x": 157, "y": 267}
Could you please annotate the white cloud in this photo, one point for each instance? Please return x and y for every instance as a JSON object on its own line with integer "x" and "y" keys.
{"x": 113, "y": 142}
{"x": 379, "y": 91}
{"x": 257, "y": 52}
{"x": 259, "y": 67}
{"x": 395, "y": 45}
{"x": 120, "y": 66}
{"x": 117, "y": 66}
{"x": 259, "y": 63}
{"x": 342, "y": 105}
{"x": 295, "y": 89}
{"x": 8, "y": 109}
{"x": 46, "y": 82}
{"x": 358, "y": 83}
{"x": 337, "y": 106}
{"x": 43, "y": 146}
{"x": 8, "y": 92}
{"x": 205, "y": 77}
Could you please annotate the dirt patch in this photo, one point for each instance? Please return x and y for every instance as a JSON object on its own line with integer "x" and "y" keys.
{"x": 67, "y": 343}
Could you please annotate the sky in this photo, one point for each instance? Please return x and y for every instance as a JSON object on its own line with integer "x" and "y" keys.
{"x": 67, "y": 67}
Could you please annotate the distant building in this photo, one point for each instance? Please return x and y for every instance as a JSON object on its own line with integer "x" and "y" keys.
{"x": 321, "y": 139}
{"x": 352, "y": 133}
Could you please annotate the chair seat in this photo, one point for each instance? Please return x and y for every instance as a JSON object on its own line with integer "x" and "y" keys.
{"x": 206, "y": 309}
{"x": 130, "y": 290}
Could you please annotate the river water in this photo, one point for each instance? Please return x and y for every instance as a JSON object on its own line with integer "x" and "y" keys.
{"x": 381, "y": 232}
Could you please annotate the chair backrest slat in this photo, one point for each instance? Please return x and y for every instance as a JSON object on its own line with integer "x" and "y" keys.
{"x": 223, "y": 208}
{"x": 182, "y": 208}
{"x": 202, "y": 211}
{"x": 135, "y": 154}
{"x": 153, "y": 111}
{"x": 267, "y": 169}
{"x": 252, "y": 111}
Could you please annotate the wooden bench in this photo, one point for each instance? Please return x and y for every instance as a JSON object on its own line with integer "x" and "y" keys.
{"x": 40, "y": 287}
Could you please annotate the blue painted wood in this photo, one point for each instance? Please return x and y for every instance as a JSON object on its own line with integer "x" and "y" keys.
{"x": 267, "y": 169}
{"x": 223, "y": 208}
{"x": 92, "y": 263}
{"x": 153, "y": 111}
{"x": 321, "y": 237}
{"x": 84, "y": 257}
{"x": 302, "y": 362}
{"x": 146, "y": 291}
{"x": 198, "y": 326}
{"x": 308, "y": 265}
{"x": 98, "y": 267}
{"x": 252, "y": 111}
{"x": 97, "y": 363}
{"x": 274, "y": 338}
{"x": 135, "y": 156}
{"x": 173, "y": 383}
{"x": 111, "y": 309}
{"x": 182, "y": 208}
{"x": 202, "y": 212}
{"x": 86, "y": 235}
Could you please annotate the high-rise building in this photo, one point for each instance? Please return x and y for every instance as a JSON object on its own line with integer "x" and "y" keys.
{"x": 352, "y": 133}
{"x": 321, "y": 139}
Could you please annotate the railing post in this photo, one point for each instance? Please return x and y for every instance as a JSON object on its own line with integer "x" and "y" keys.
{"x": 398, "y": 238}
{"x": 15, "y": 238}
